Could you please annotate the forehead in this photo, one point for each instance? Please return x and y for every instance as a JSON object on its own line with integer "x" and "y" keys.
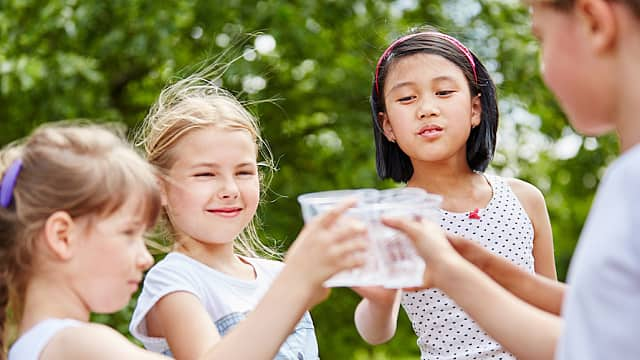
{"x": 134, "y": 210}
{"x": 217, "y": 143}
{"x": 422, "y": 65}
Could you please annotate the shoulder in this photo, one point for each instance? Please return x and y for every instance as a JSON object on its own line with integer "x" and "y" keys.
{"x": 265, "y": 264}
{"x": 625, "y": 169}
{"x": 92, "y": 341}
{"x": 528, "y": 194}
{"x": 175, "y": 272}
{"x": 172, "y": 268}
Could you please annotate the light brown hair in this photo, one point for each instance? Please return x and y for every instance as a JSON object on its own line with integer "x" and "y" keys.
{"x": 82, "y": 169}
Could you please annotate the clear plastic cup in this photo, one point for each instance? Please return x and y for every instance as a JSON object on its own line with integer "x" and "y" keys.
{"x": 391, "y": 259}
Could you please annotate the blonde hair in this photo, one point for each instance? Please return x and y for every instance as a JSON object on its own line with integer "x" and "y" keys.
{"x": 80, "y": 168}
{"x": 196, "y": 102}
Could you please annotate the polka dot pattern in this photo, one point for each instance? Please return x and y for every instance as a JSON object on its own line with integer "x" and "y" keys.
{"x": 444, "y": 330}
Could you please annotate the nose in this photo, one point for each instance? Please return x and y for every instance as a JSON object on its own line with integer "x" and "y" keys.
{"x": 228, "y": 189}
{"x": 144, "y": 259}
{"x": 428, "y": 108}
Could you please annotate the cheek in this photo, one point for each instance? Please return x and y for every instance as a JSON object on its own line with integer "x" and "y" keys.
{"x": 398, "y": 123}
{"x": 548, "y": 69}
{"x": 251, "y": 193}
{"x": 184, "y": 196}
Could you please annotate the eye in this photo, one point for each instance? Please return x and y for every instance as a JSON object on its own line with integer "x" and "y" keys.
{"x": 130, "y": 231}
{"x": 246, "y": 173}
{"x": 405, "y": 99}
{"x": 444, "y": 92}
{"x": 204, "y": 174}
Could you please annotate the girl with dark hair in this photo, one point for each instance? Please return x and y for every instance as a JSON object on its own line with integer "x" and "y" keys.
{"x": 435, "y": 117}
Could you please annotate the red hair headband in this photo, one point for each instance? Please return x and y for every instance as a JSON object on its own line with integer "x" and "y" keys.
{"x": 449, "y": 38}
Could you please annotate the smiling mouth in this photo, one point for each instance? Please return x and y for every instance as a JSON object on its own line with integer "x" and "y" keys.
{"x": 227, "y": 212}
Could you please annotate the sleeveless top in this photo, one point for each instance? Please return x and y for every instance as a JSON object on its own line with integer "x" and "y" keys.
{"x": 29, "y": 346}
{"x": 444, "y": 330}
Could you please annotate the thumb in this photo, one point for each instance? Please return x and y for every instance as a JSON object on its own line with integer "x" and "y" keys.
{"x": 411, "y": 228}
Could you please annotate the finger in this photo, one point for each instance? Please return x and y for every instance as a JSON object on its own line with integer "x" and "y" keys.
{"x": 412, "y": 228}
{"x": 458, "y": 242}
{"x": 331, "y": 216}
{"x": 356, "y": 245}
{"x": 352, "y": 260}
{"x": 347, "y": 230}
{"x": 464, "y": 246}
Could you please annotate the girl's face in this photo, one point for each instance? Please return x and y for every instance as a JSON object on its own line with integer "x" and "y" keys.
{"x": 213, "y": 188}
{"x": 430, "y": 111}
{"x": 569, "y": 68}
{"x": 111, "y": 258}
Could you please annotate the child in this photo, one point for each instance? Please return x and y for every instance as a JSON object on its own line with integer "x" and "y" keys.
{"x": 204, "y": 145}
{"x": 435, "y": 118}
{"x": 600, "y": 314}
{"x": 75, "y": 201}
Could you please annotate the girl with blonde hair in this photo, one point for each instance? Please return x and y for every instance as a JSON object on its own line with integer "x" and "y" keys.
{"x": 205, "y": 146}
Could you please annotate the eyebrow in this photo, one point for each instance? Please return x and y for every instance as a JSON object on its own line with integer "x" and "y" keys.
{"x": 435, "y": 79}
{"x": 214, "y": 165}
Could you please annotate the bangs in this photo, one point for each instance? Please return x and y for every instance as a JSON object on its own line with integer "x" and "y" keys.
{"x": 130, "y": 179}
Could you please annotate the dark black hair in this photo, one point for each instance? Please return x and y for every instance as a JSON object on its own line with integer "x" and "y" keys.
{"x": 391, "y": 161}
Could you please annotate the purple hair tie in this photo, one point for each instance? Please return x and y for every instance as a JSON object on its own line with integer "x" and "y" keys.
{"x": 9, "y": 182}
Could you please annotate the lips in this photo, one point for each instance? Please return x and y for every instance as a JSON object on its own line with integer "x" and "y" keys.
{"x": 430, "y": 130}
{"x": 226, "y": 211}
{"x": 134, "y": 284}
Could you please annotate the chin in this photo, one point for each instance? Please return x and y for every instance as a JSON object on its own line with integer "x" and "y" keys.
{"x": 593, "y": 127}
{"x": 111, "y": 307}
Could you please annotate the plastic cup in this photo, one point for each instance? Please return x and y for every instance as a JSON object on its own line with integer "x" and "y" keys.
{"x": 391, "y": 259}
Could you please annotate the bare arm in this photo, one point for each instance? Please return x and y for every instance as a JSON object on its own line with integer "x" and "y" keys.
{"x": 323, "y": 248}
{"x": 182, "y": 320}
{"x": 526, "y": 331}
{"x": 376, "y": 316}
{"x": 536, "y": 290}
{"x": 534, "y": 204}
{"x": 94, "y": 341}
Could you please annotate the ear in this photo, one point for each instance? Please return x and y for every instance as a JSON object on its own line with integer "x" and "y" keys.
{"x": 599, "y": 23}
{"x": 385, "y": 124}
{"x": 162, "y": 186}
{"x": 59, "y": 234}
{"x": 476, "y": 111}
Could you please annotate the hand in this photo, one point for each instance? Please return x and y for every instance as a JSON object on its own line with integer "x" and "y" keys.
{"x": 474, "y": 252}
{"x": 431, "y": 244}
{"x": 330, "y": 243}
{"x": 377, "y": 294}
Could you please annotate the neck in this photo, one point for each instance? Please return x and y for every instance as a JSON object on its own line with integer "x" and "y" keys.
{"x": 47, "y": 296}
{"x": 461, "y": 189}
{"x": 627, "y": 109}
{"x": 441, "y": 178}
{"x": 220, "y": 257}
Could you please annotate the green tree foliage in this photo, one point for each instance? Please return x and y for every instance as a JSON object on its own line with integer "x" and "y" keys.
{"x": 108, "y": 60}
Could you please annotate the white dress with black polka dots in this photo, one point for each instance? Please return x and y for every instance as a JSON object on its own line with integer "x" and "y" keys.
{"x": 444, "y": 330}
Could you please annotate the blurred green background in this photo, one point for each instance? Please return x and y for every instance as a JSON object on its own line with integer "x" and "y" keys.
{"x": 108, "y": 60}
